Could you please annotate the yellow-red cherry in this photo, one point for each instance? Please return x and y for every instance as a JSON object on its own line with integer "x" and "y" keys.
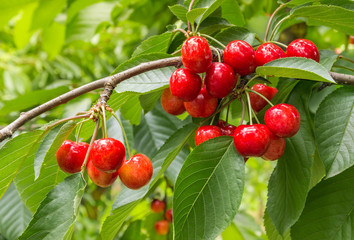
{"x": 205, "y": 133}
{"x": 168, "y": 215}
{"x": 257, "y": 102}
{"x": 171, "y": 104}
{"x": 220, "y": 79}
{"x": 158, "y": 206}
{"x": 268, "y": 52}
{"x": 162, "y": 227}
{"x": 185, "y": 84}
{"x": 202, "y": 106}
{"x": 71, "y": 156}
{"x": 276, "y": 148}
{"x": 196, "y": 54}
{"x": 100, "y": 178}
{"x": 303, "y": 48}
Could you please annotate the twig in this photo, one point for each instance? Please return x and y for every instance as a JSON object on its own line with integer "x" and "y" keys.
{"x": 270, "y": 21}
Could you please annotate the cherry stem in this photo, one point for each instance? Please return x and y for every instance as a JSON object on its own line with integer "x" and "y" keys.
{"x": 104, "y": 122}
{"x": 267, "y": 100}
{"x": 227, "y": 114}
{"x": 259, "y": 39}
{"x": 249, "y": 81}
{"x": 124, "y": 134}
{"x": 271, "y": 19}
{"x": 255, "y": 116}
{"x": 249, "y": 107}
{"x": 217, "y": 52}
{"x": 211, "y": 38}
{"x": 280, "y": 44}
{"x": 182, "y": 31}
{"x": 177, "y": 51}
{"x": 243, "y": 111}
{"x": 346, "y": 59}
{"x": 189, "y": 9}
{"x": 272, "y": 35}
{"x": 94, "y": 135}
{"x": 65, "y": 120}
{"x": 79, "y": 129}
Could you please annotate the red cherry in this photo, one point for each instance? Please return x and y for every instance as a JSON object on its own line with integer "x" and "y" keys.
{"x": 251, "y": 140}
{"x": 99, "y": 178}
{"x": 107, "y": 154}
{"x": 257, "y": 102}
{"x": 168, "y": 215}
{"x": 171, "y": 104}
{"x": 205, "y": 133}
{"x": 185, "y": 84}
{"x": 196, "y": 54}
{"x": 268, "y": 52}
{"x": 303, "y": 48}
{"x": 276, "y": 148}
{"x": 162, "y": 227}
{"x": 136, "y": 172}
{"x": 157, "y": 206}
{"x": 240, "y": 56}
{"x": 71, "y": 156}
{"x": 220, "y": 79}
{"x": 283, "y": 120}
{"x": 226, "y": 129}
{"x": 202, "y": 106}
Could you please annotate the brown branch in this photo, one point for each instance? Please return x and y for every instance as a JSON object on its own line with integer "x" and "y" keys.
{"x": 341, "y": 78}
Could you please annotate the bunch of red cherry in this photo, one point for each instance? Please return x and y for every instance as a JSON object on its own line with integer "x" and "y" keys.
{"x": 187, "y": 92}
{"x": 162, "y": 226}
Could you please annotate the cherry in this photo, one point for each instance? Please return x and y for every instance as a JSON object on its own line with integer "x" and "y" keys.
{"x": 168, "y": 215}
{"x": 257, "y": 102}
{"x": 107, "y": 154}
{"x": 162, "y": 227}
{"x": 240, "y": 56}
{"x": 171, "y": 104}
{"x": 276, "y": 148}
{"x": 251, "y": 140}
{"x": 71, "y": 156}
{"x": 136, "y": 172}
{"x": 202, "y": 106}
{"x": 268, "y": 52}
{"x": 196, "y": 54}
{"x": 205, "y": 133}
{"x": 185, "y": 84}
{"x": 226, "y": 129}
{"x": 303, "y": 48}
{"x": 220, "y": 79}
{"x": 99, "y": 178}
{"x": 283, "y": 120}
{"x": 158, "y": 206}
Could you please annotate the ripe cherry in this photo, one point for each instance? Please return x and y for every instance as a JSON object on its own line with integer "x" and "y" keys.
{"x": 100, "y": 178}
{"x": 257, "y": 102}
{"x": 171, "y": 104}
{"x": 220, "y": 79}
{"x": 136, "y": 172}
{"x": 162, "y": 227}
{"x": 240, "y": 56}
{"x": 205, "y": 133}
{"x": 303, "y": 48}
{"x": 168, "y": 215}
{"x": 251, "y": 140}
{"x": 226, "y": 129}
{"x": 283, "y": 120}
{"x": 202, "y": 106}
{"x": 196, "y": 54}
{"x": 107, "y": 154}
{"x": 158, "y": 206}
{"x": 185, "y": 84}
{"x": 276, "y": 148}
{"x": 71, "y": 156}
{"x": 268, "y": 52}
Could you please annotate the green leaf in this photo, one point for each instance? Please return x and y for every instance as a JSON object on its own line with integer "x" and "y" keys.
{"x": 133, "y": 231}
{"x": 215, "y": 5}
{"x": 22, "y": 32}
{"x": 327, "y": 58}
{"x": 154, "y": 44}
{"x": 128, "y": 199}
{"x": 179, "y": 11}
{"x": 208, "y": 190}
{"x": 295, "y": 67}
{"x": 231, "y": 12}
{"x": 173, "y": 170}
{"x": 148, "y": 101}
{"x": 12, "y": 156}
{"x": 331, "y": 16}
{"x": 50, "y": 145}
{"x": 14, "y": 216}
{"x": 8, "y": 9}
{"x": 294, "y": 3}
{"x": 57, "y": 212}
{"x": 46, "y": 11}
{"x": 334, "y": 130}
{"x": 53, "y": 39}
{"x": 271, "y": 231}
{"x": 235, "y": 33}
{"x": 328, "y": 213}
{"x": 290, "y": 181}
{"x": 193, "y": 14}
{"x": 132, "y": 110}
{"x": 232, "y": 233}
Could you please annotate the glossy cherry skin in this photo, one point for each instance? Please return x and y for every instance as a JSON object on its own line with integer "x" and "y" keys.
{"x": 257, "y": 102}
{"x": 71, "y": 156}
{"x": 251, "y": 140}
{"x": 226, "y": 129}
{"x": 162, "y": 227}
{"x": 168, "y": 215}
{"x": 196, "y": 54}
{"x": 268, "y": 52}
{"x": 205, "y": 133}
{"x": 158, "y": 206}
{"x": 283, "y": 120}
{"x": 220, "y": 79}
{"x": 185, "y": 84}
{"x": 303, "y": 48}
{"x": 276, "y": 148}
{"x": 107, "y": 154}
{"x": 171, "y": 104}
{"x": 240, "y": 56}
{"x": 202, "y": 106}
{"x": 99, "y": 178}
{"x": 136, "y": 172}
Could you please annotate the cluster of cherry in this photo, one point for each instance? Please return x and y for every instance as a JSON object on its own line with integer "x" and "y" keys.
{"x": 162, "y": 226}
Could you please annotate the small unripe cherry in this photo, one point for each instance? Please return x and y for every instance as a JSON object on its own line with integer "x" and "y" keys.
{"x": 71, "y": 156}
{"x": 257, "y": 102}
{"x": 99, "y": 178}
{"x": 276, "y": 148}
{"x": 268, "y": 52}
{"x": 226, "y": 129}
{"x": 158, "y": 206}
{"x": 185, "y": 84}
{"x": 196, "y": 54}
{"x": 303, "y": 48}
{"x": 220, "y": 79}
{"x": 136, "y": 172}
{"x": 168, "y": 215}
{"x": 205, "y": 133}
{"x": 162, "y": 227}
{"x": 171, "y": 104}
{"x": 202, "y": 106}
